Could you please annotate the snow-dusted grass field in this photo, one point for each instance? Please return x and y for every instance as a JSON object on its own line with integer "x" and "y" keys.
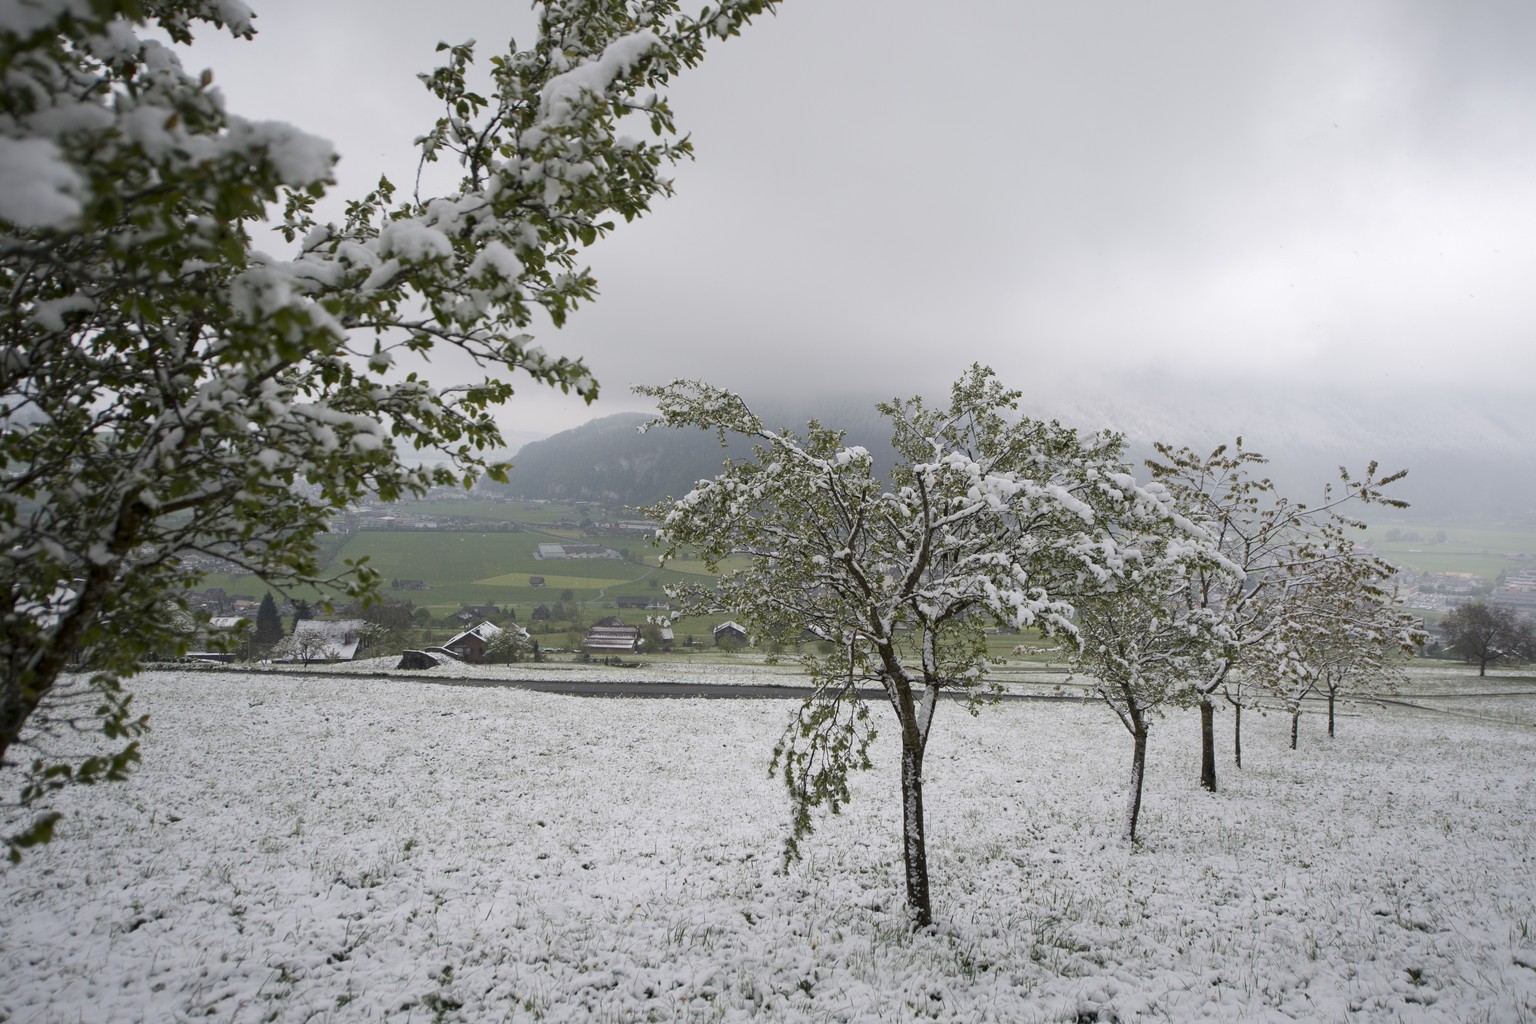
{"x": 362, "y": 849}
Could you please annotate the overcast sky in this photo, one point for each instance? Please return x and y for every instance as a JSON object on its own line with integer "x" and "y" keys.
{"x": 1096, "y": 198}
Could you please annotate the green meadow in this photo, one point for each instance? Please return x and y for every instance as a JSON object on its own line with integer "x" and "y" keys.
{"x": 467, "y": 567}
{"x": 465, "y": 564}
{"x": 1485, "y": 551}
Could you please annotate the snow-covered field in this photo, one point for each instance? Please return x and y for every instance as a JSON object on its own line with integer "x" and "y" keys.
{"x": 360, "y": 849}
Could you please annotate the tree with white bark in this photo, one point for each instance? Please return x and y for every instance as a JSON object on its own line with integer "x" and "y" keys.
{"x": 987, "y": 519}
{"x": 173, "y": 391}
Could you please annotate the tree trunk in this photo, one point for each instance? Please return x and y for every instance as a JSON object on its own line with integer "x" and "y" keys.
{"x": 1138, "y": 773}
{"x": 25, "y": 686}
{"x": 1295, "y": 723}
{"x": 1207, "y": 743}
{"x": 1237, "y": 734}
{"x": 914, "y": 843}
{"x": 1330, "y": 714}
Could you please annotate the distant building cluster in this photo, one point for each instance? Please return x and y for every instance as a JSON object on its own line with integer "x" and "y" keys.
{"x": 1442, "y": 591}
{"x": 1523, "y": 580}
{"x": 547, "y": 552}
{"x": 1518, "y": 591}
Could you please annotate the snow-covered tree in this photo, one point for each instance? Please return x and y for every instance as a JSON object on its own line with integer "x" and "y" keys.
{"x": 305, "y": 646}
{"x": 986, "y": 519}
{"x": 1143, "y": 645}
{"x": 173, "y": 386}
{"x": 508, "y": 645}
{"x": 1291, "y": 686}
{"x": 1349, "y": 629}
{"x": 1273, "y": 543}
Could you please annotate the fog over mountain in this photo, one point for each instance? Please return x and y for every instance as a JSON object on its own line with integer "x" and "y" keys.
{"x": 1309, "y": 222}
{"x": 1466, "y": 460}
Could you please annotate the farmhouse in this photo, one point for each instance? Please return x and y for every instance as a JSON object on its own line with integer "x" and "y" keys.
{"x": 220, "y": 639}
{"x": 469, "y": 613}
{"x": 472, "y": 644}
{"x": 729, "y": 631}
{"x": 611, "y": 635}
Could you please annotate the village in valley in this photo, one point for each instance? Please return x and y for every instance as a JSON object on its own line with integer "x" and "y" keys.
{"x": 542, "y": 579}
{"x": 578, "y": 580}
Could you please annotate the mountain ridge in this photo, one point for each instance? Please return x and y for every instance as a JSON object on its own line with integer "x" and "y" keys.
{"x": 1464, "y": 460}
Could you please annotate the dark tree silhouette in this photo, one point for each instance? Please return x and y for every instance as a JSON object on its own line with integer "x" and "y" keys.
{"x": 269, "y": 625}
{"x": 1483, "y": 634}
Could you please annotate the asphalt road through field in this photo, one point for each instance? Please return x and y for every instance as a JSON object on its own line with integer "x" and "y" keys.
{"x": 680, "y": 689}
{"x": 713, "y": 691}
{"x": 653, "y": 690}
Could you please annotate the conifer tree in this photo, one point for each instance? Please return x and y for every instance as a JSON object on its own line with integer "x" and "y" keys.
{"x": 269, "y": 625}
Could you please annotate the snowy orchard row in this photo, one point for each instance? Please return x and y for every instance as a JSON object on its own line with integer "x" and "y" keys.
{"x": 1202, "y": 584}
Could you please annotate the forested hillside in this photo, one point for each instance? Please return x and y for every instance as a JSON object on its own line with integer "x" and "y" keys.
{"x": 609, "y": 460}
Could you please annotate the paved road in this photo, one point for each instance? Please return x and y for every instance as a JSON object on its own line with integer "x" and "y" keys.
{"x": 653, "y": 690}
{"x": 680, "y": 689}
{"x": 673, "y": 690}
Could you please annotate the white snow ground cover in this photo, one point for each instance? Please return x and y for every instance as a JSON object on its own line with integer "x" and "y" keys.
{"x": 355, "y": 849}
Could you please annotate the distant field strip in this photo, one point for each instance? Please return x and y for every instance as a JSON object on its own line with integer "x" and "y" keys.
{"x": 1484, "y": 551}
{"x": 520, "y": 579}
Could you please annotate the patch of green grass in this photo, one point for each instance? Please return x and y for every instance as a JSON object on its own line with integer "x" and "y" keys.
{"x": 1446, "y": 547}
{"x": 556, "y": 583}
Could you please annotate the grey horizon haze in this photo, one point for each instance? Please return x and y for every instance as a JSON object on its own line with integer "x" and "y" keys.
{"x": 1190, "y": 216}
